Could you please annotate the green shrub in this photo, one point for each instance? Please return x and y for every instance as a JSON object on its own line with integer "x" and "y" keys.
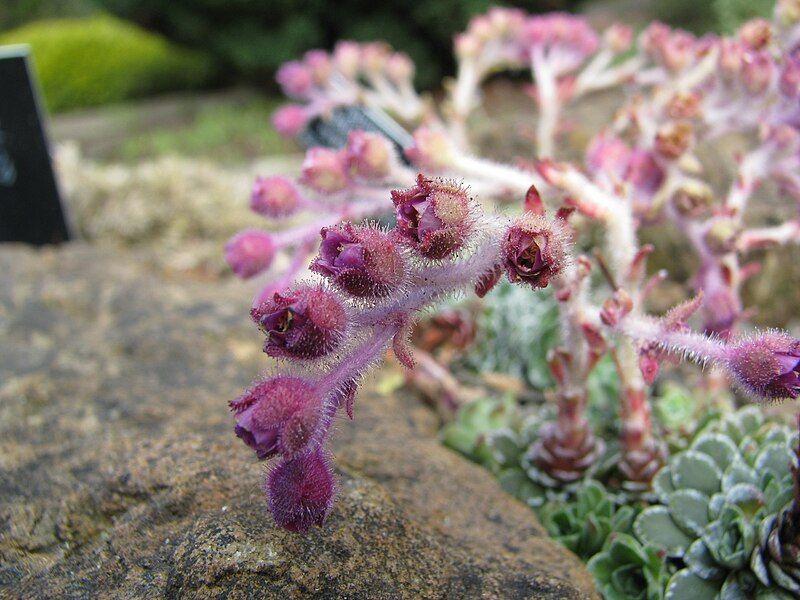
{"x": 14, "y": 13}
{"x": 98, "y": 60}
{"x": 253, "y": 37}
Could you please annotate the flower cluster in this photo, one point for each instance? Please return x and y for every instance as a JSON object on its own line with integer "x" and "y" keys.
{"x": 642, "y": 169}
{"x": 372, "y": 284}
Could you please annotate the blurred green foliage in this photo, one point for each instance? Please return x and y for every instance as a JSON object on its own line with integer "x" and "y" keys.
{"x": 253, "y": 37}
{"x": 14, "y": 13}
{"x": 230, "y": 132}
{"x": 721, "y": 16}
{"x": 99, "y": 60}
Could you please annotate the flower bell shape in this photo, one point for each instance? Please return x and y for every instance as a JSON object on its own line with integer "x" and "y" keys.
{"x": 533, "y": 251}
{"x": 250, "y": 252}
{"x": 324, "y": 170}
{"x": 767, "y": 365}
{"x": 369, "y": 155}
{"x": 289, "y": 120}
{"x": 307, "y": 323}
{"x": 296, "y": 79}
{"x": 274, "y": 197}
{"x": 433, "y": 217}
{"x": 282, "y": 414}
{"x": 362, "y": 261}
{"x": 301, "y": 491}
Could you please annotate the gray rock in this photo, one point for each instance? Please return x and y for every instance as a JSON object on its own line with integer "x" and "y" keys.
{"x": 120, "y": 476}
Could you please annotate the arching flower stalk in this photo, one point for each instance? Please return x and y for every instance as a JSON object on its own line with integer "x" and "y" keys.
{"x": 369, "y": 283}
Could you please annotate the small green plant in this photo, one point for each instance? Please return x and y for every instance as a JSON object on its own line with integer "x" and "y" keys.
{"x": 468, "y": 433}
{"x": 100, "y": 60}
{"x": 714, "y": 501}
{"x": 628, "y": 570}
{"x": 584, "y": 524}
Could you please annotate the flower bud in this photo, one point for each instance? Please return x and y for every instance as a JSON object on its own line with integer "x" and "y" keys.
{"x": 362, "y": 261}
{"x": 756, "y": 34}
{"x": 274, "y": 197}
{"x": 319, "y": 65}
{"x": 249, "y": 252}
{"x": 608, "y": 154}
{"x": 399, "y": 68}
{"x": 283, "y": 414}
{"x": 533, "y": 250}
{"x": 721, "y": 236}
{"x": 673, "y": 139}
{"x": 301, "y": 491}
{"x": 693, "y": 199}
{"x": 644, "y": 173}
{"x": 433, "y": 216}
{"x": 324, "y": 170}
{"x": 308, "y": 322}
{"x": 618, "y": 37}
{"x": 767, "y": 365}
{"x": 467, "y": 45}
{"x": 295, "y": 79}
{"x": 432, "y": 150}
{"x": 347, "y": 57}
{"x": 289, "y": 120}
{"x": 369, "y": 154}
{"x": 374, "y": 56}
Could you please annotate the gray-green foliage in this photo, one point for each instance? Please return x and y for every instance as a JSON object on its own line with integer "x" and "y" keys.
{"x": 713, "y": 498}
{"x": 474, "y": 423}
{"x": 584, "y": 524}
{"x": 516, "y": 329}
{"x": 627, "y": 570}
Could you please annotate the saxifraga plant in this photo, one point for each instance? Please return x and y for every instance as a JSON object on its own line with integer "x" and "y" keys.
{"x": 372, "y": 283}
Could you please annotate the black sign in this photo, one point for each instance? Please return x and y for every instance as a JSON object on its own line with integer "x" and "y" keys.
{"x": 332, "y": 131}
{"x": 30, "y": 207}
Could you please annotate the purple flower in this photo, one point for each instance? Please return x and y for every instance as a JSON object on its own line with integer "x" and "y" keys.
{"x": 249, "y": 252}
{"x": 362, "y": 261}
{"x": 767, "y": 365}
{"x": 533, "y": 251}
{"x": 274, "y": 196}
{"x": 301, "y": 491}
{"x": 308, "y": 322}
{"x": 282, "y": 414}
{"x": 433, "y": 216}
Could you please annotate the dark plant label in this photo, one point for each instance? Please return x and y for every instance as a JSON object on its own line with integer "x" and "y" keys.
{"x": 30, "y": 206}
{"x": 332, "y": 132}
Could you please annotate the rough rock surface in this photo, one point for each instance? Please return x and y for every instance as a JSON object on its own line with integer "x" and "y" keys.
{"x": 120, "y": 477}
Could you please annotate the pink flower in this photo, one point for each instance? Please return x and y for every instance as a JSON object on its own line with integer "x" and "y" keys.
{"x": 324, "y": 170}
{"x": 308, "y": 322}
{"x": 295, "y": 79}
{"x": 369, "y": 154}
{"x": 767, "y": 365}
{"x": 301, "y": 491}
{"x": 289, "y": 120}
{"x": 347, "y": 57}
{"x": 533, "y": 251}
{"x": 319, "y": 65}
{"x": 274, "y": 196}
{"x": 433, "y": 216}
{"x": 362, "y": 261}
{"x": 432, "y": 150}
{"x": 283, "y": 414}
{"x": 250, "y": 252}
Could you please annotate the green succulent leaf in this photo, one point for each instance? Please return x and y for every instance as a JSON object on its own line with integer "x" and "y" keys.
{"x": 655, "y": 527}
{"x": 701, "y": 563}
{"x": 717, "y": 446}
{"x": 626, "y": 570}
{"x": 689, "y": 510}
{"x": 662, "y": 484}
{"x": 738, "y": 472}
{"x": 506, "y": 447}
{"x": 696, "y": 471}
{"x": 774, "y": 458}
{"x": 685, "y": 585}
{"x": 731, "y": 538}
